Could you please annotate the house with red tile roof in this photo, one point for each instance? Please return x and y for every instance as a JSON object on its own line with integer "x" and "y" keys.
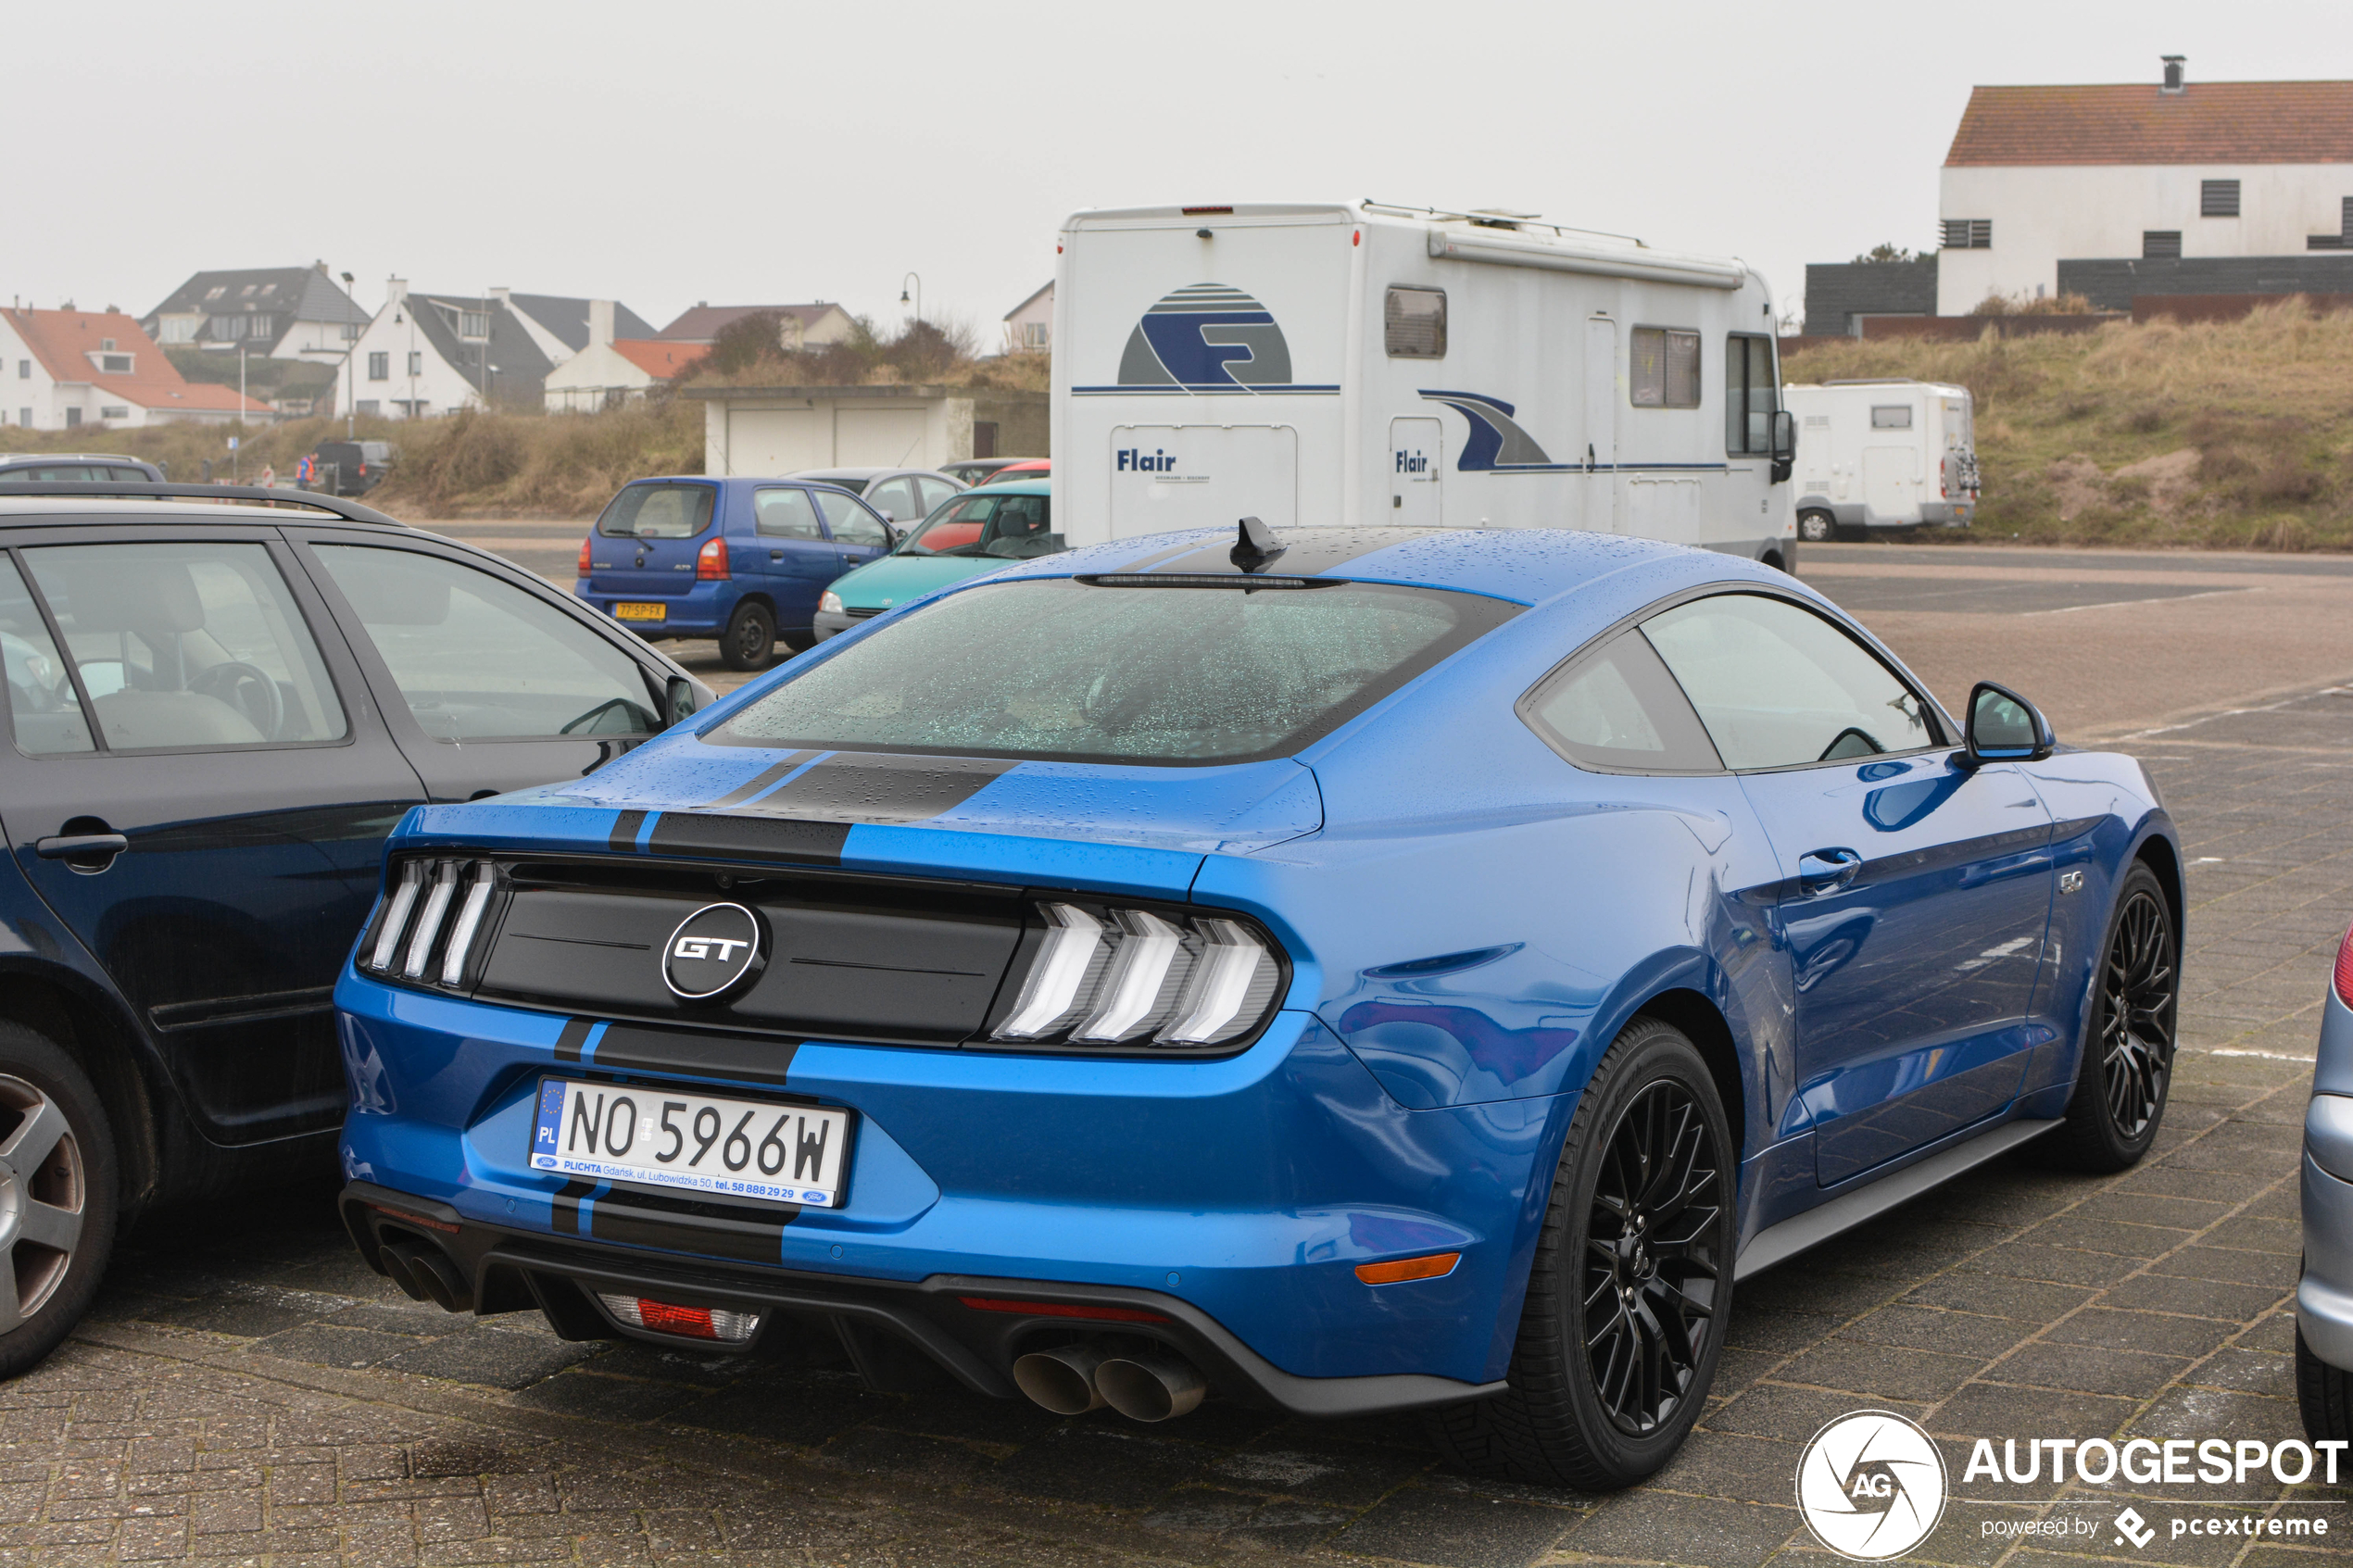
{"x": 67, "y": 369}
{"x": 2173, "y": 186}
{"x": 610, "y": 372}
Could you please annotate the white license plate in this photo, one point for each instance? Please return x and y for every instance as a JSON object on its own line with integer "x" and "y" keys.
{"x": 694, "y": 1143}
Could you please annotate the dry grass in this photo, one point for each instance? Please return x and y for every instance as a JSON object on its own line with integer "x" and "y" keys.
{"x": 2256, "y": 415}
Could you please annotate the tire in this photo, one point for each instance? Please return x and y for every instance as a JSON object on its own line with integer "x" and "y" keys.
{"x": 2125, "y": 1070}
{"x": 1817, "y": 527}
{"x": 749, "y": 641}
{"x": 2325, "y": 1395}
{"x": 1575, "y": 1413}
{"x": 800, "y": 642}
{"x": 54, "y": 1122}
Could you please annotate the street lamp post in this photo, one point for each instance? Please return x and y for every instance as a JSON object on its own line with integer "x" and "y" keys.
{"x": 235, "y": 455}
{"x": 917, "y": 278}
{"x": 351, "y": 380}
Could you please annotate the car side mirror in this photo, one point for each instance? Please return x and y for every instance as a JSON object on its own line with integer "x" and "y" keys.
{"x": 677, "y": 700}
{"x": 1784, "y": 443}
{"x": 2005, "y": 727}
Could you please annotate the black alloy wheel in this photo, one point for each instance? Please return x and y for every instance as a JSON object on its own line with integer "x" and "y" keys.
{"x": 1631, "y": 1285}
{"x": 1651, "y": 1267}
{"x": 2126, "y": 1068}
{"x": 749, "y": 641}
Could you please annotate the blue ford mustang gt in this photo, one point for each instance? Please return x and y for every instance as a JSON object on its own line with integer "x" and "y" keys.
{"x": 1337, "y": 969}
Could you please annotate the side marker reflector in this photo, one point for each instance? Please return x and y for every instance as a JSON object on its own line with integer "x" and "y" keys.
{"x": 1437, "y": 1265}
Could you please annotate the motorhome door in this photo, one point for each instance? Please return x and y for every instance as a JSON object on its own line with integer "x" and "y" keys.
{"x": 1415, "y": 451}
{"x": 1601, "y": 510}
{"x": 1201, "y": 476}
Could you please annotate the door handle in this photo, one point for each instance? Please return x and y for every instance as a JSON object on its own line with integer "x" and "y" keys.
{"x": 82, "y": 852}
{"x": 1827, "y": 870}
{"x": 775, "y": 555}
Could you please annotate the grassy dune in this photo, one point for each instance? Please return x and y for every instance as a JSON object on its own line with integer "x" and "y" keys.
{"x": 2220, "y": 435}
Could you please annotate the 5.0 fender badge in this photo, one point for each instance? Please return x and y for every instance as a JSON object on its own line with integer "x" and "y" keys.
{"x": 717, "y": 952}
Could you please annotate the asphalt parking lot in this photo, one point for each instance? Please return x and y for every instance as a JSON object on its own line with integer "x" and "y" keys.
{"x": 248, "y": 1390}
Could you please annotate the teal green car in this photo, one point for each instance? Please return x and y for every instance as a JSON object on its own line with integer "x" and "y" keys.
{"x": 976, "y": 531}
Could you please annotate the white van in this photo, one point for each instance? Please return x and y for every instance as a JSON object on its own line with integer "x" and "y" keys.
{"x": 1883, "y": 454}
{"x": 1358, "y": 363}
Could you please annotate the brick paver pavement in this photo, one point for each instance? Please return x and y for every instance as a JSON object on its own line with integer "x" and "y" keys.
{"x": 246, "y": 1390}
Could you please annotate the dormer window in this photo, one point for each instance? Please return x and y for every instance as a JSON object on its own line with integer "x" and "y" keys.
{"x": 114, "y": 364}
{"x": 473, "y": 324}
{"x": 260, "y": 327}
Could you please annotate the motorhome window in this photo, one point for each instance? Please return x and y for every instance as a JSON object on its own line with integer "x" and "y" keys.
{"x": 1665, "y": 368}
{"x": 1891, "y": 417}
{"x": 1413, "y": 323}
{"x": 1752, "y": 395}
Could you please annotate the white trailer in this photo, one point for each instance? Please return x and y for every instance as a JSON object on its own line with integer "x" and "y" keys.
{"x": 1890, "y": 453}
{"x": 1357, "y": 363}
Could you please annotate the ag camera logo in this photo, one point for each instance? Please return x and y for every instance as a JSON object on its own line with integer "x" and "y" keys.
{"x": 713, "y": 952}
{"x": 1871, "y": 1485}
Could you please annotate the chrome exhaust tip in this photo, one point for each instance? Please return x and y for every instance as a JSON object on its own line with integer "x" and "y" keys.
{"x": 1149, "y": 1384}
{"x": 1062, "y": 1379}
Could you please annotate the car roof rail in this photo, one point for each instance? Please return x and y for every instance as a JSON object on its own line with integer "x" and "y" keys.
{"x": 350, "y": 511}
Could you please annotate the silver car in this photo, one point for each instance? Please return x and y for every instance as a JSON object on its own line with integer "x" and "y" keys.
{"x": 903, "y": 495}
{"x": 2324, "y": 1296}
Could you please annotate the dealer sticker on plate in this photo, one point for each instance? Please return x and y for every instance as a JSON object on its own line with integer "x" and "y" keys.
{"x": 696, "y": 1142}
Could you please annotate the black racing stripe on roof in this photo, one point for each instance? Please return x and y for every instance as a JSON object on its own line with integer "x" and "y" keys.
{"x": 876, "y": 786}
{"x": 758, "y": 783}
{"x": 1307, "y": 552}
{"x": 748, "y": 836}
{"x": 697, "y": 1055}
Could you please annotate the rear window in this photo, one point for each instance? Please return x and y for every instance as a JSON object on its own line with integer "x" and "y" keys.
{"x": 657, "y": 511}
{"x": 1064, "y": 670}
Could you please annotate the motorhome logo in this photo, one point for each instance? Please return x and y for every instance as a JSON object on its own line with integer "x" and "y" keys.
{"x": 1495, "y": 442}
{"x": 1206, "y": 338}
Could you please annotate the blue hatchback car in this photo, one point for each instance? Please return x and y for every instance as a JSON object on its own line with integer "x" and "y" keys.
{"x": 743, "y": 560}
{"x": 1343, "y": 971}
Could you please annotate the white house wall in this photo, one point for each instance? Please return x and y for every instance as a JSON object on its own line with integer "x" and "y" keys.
{"x": 580, "y": 383}
{"x": 26, "y": 401}
{"x": 438, "y": 384}
{"x": 777, "y": 437}
{"x": 2044, "y": 215}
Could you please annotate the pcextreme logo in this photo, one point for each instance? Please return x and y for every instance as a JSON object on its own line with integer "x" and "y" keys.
{"x": 1871, "y": 1485}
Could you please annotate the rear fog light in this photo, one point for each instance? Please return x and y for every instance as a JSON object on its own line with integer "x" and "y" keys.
{"x": 2344, "y": 970}
{"x": 688, "y": 1323}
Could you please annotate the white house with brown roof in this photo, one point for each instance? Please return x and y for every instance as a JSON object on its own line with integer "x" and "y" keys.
{"x": 803, "y": 326}
{"x": 2164, "y": 174}
{"x": 68, "y": 369}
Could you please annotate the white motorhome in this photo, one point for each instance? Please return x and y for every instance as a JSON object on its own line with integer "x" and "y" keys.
{"x": 1359, "y": 363}
{"x": 1887, "y": 453}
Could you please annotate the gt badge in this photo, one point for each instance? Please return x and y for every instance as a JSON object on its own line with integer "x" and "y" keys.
{"x": 716, "y": 951}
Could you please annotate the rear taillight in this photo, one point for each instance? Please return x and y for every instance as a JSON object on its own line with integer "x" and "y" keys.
{"x": 586, "y": 568}
{"x": 363, "y": 471}
{"x": 688, "y": 1323}
{"x": 2344, "y": 970}
{"x": 427, "y": 931}
{"x": 1106, "y": 975}
{"x": 711, "y": 561}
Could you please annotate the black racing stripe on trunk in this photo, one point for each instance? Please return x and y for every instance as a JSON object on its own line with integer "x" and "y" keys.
{"x": 566, "y": 1204}
{"x": 675, "y": 1224}
{"x": 757, "y": 782}
{"x": 873, "y": 786}
{"x": 625, "y": 832}
{"x": 741, "y": 837}
{"x": 574, "y": 1035}
{"x": 1307, "y": 552}
{"x": 628, "y": 1050}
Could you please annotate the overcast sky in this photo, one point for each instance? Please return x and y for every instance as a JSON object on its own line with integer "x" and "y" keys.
{"x": 782, "y": 152}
